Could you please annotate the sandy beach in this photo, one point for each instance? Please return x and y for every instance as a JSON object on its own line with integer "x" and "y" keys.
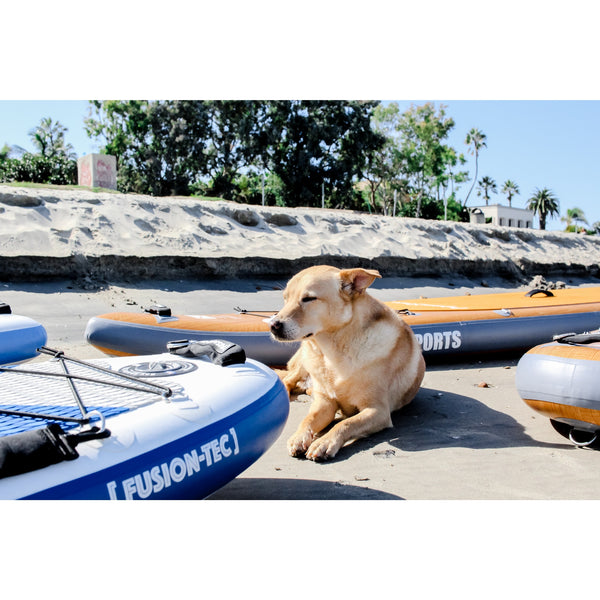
{"x": 55, "y": 233}
{"x": 457, "y": 440}
{"x": 70, "y": 255}
{"x": 467, "y": 435}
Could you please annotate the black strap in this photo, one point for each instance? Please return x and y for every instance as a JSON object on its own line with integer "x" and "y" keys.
{"x": 220, "y": 352}
{"x": 159, "y": 309}
{"x": 4, "y": 308}
{"x": 575, "y": 338}
{"x": 39, "y": 448}
{"x": 539, "y": 291}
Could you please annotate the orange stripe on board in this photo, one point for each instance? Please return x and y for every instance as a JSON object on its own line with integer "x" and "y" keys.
{"x": 552, "y": 410}
{"x": 252, "y": 323}
{"x": 568, "y": 351}
{"x": 224, "y": 322}
{"x": 110, "y": 351}
{"x": 509, "y": 300}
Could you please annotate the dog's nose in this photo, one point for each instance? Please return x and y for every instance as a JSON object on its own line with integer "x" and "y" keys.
{"x": 276, "y": 327}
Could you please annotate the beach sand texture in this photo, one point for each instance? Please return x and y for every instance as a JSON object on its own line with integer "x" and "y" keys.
{"x": 459, "y": 439}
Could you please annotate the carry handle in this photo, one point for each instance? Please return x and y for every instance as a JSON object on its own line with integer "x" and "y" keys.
{"x": 531, "y": 293}
{"x": 581, "y": 338}
{"x": 220, "y": 352}
{"x": 159, "y": 309}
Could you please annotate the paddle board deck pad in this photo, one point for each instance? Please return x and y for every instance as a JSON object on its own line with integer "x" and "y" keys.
{"x": 560, "y": 381}
{"x": 444, "y": 327}
{"x": 20, "y": 337}
{"x": 167, "y": 426}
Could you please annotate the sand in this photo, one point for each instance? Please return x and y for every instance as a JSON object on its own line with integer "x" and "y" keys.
{"x": 53, "y": 233}
{"x": 457, "y": 440}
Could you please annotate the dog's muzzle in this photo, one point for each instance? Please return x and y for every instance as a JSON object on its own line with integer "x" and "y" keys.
{"x": 277, "y": 329}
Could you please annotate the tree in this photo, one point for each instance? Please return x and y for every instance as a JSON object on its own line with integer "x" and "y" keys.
{"x": 233, "y": 133}
{"x": 475, "y": 140}
{"x": 159, "y": 145}
{"x": 427, "y": 160}
{"x": 510, "y": 188}
{"x": 574, "y": 214}
{"x": 49, "y": 139}
{"x": 544, "y": 204}
{"x": 485, "y": 186}
{"x": 386, "y": 168}
{"x": 310, "y": 144}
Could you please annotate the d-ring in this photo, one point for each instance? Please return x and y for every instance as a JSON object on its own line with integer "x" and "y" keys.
{"x": 582, "y": 444}
{"x": 97, "y": 413}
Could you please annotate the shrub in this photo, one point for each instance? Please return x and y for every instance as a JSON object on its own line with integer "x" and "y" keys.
{"x": 36, "y": 168}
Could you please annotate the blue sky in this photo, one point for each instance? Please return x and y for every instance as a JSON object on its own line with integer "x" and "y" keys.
{"x": 536, "y": 144}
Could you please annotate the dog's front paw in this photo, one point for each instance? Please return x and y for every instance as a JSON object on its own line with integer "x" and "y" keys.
{"x": 299, "y": 443}
{"x": 323, "y": 448}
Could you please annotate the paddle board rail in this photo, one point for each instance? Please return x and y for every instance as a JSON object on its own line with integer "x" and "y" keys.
{"x": 173, "y": 426}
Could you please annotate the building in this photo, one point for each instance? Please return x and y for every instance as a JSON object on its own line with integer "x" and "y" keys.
{"x": 503, "y": 216}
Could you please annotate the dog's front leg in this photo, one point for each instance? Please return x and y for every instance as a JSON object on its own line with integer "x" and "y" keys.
{"x": 364, "y": 423}
{"x": 321, "y": 413}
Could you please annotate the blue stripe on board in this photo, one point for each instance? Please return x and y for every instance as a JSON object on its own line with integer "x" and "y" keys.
{"x": 10, "y": 424}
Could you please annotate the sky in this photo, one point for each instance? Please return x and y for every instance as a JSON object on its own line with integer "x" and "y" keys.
{"x": 537, "y": 144}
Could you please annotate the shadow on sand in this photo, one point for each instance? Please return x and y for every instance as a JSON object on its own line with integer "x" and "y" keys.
{"x": 248, "y": 488}
{"x": 449, "y": 420}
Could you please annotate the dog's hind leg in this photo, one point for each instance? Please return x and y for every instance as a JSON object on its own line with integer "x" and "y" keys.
{"x": 296, "y": 378}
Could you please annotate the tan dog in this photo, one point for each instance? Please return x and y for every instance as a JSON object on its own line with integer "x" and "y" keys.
{"x": 361, "y": 357}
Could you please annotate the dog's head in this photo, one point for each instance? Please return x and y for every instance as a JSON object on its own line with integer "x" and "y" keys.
{"x": 319, "y": 299}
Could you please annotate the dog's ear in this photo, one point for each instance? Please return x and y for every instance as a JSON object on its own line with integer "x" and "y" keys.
{"x": 356, "y": 281}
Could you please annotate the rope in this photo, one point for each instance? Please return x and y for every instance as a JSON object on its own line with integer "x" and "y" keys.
{"x": 257, "y": 313}
{"x": 143, "y": 386}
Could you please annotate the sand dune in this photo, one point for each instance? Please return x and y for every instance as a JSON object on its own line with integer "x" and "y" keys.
{"x": 111, "y": 235}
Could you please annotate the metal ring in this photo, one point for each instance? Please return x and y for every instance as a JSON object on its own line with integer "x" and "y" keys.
{"x": 582, "y": 444}
{"x": 102, "y": 426}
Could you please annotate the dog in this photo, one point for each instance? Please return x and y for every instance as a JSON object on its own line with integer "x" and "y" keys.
{"x": 360, "y": 357}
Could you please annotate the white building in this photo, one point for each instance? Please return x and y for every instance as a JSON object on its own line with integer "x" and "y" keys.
{"x": 503, "y": 216}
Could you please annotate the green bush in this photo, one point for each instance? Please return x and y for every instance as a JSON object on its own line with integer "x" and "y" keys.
{"x": 434, "y": 209}
{"x": 36, "y": 168}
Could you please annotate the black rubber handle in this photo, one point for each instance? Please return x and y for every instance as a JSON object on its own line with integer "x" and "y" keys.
{"x": 539, "y": 291}
{"x": 220, "y": 352}
{"x": 581, "y": 338}
{"x": 159, "y": 309}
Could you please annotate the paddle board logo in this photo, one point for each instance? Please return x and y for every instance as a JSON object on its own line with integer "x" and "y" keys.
{"x": 177, "y": 469}
{"x": 439, "y": 340}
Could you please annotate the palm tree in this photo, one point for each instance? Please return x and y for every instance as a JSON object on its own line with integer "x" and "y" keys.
{"x": 574, "y": 214}
{"x": 510, "y": 188}
{"x": 475, "y": 139}
{"x": 486, "y": 185}
{"x": 49, "y": 138}
{"x": 543, "y": 203}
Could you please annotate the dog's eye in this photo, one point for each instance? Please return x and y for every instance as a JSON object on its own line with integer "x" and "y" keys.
{"x": 308, "y": 299}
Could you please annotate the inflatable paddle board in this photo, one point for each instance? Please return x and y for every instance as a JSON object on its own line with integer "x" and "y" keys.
{"x": 129, "y": 333}
{"x": 448, "y": 326}
{"x": 20, "y": 337}
{"x": 169, "y": 426}
{"x": 506, "y": 322}
{"x": 561, "y": 380}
